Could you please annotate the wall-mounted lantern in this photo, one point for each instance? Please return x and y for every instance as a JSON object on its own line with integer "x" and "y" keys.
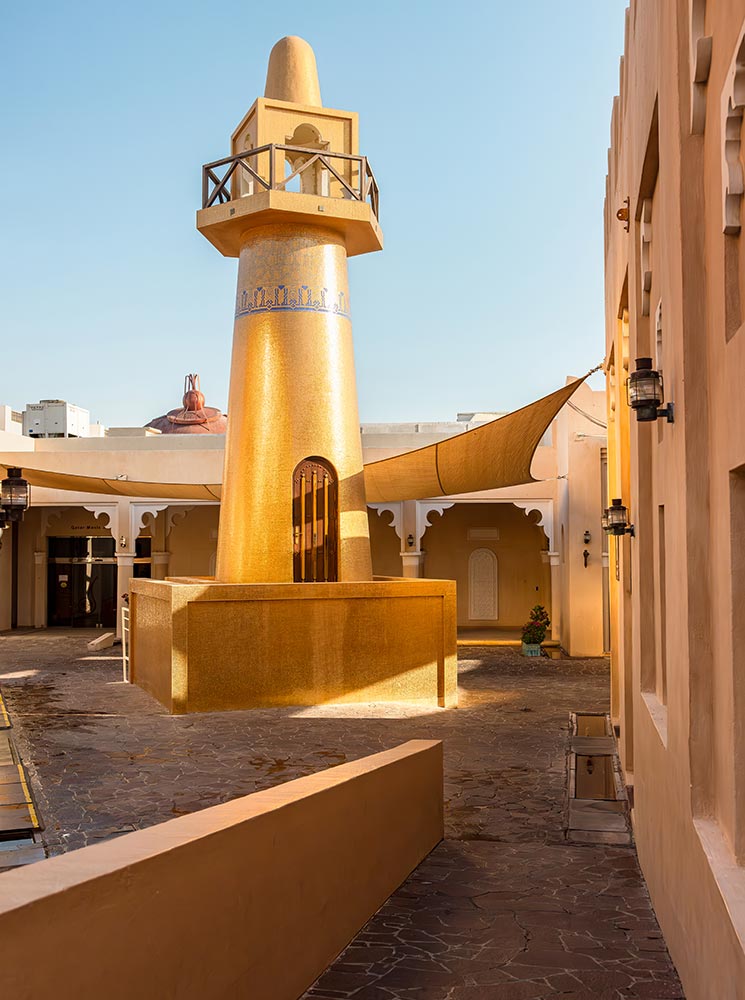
{"x": 14, "y": 496}
{"x": 410, "y": 541}
{"x": 645, "y": 393}
{"x": 624, "y": 214}
{"x": 604, "y": 520}
{"x": 587, "y": 538}
{"x": 615, "y": 520}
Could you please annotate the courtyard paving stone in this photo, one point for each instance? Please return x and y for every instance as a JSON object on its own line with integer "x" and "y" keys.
{"x": 505, "y": 907}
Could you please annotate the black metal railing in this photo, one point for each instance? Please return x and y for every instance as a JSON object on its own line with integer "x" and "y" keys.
{"x": 321, "y": 173}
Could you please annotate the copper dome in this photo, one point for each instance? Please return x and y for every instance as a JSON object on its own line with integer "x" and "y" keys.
{"x": 193, "y": 417}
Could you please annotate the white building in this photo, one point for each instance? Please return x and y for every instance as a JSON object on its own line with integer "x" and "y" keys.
{"x": 507, "y": 549}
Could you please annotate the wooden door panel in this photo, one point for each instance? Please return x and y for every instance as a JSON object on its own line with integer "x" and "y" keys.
{"x": 315, "y": 508}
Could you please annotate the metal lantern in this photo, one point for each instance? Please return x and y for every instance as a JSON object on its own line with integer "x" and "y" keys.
{"x": 645, "y": 394}
{"x": 617, "y": 519}
{"x": 604, "y": 523}
{"x": 14, "y": 495}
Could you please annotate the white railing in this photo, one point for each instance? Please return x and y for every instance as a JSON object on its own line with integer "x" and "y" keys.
{"x": 246, "y": 172}
{"x": 125, "y": 644}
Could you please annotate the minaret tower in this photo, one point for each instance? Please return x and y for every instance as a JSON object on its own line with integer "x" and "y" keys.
{"x": 292, "y": 202}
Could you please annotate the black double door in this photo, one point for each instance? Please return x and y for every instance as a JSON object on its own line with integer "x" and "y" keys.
{"x": 81, "y": 582}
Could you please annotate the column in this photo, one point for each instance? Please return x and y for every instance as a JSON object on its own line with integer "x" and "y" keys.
{"x": 412, "y": 563}
{"x": 412, "y": 557}
{"x": 554, "y": 559}
{"x": 421, "y": 511}
{"x": 40, "y": 589}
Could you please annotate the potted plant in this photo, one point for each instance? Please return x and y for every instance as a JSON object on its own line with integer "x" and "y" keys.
{"x": 534, "y": 631}
{"x": 539, "y": 614}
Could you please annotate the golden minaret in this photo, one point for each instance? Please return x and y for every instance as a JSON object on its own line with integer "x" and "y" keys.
{"x": 292, "y": 202}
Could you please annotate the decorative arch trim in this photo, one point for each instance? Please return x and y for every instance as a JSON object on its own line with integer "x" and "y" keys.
{"x": 733, "y": 106}
{"x": 425, "y": 508}
{"x": 396, "y": 509}
{"x": 546, "y": 521}
{"x": 700, "y": 65}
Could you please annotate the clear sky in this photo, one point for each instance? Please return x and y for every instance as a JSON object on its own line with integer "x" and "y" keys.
{"x": 486, "y": 123}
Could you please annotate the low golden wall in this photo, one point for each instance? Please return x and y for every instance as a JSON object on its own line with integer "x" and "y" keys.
{"x": 253, "y": 898}
{"x": 200, "y": 646}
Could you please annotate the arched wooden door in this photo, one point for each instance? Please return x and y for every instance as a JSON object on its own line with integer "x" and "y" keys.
{"x": 315, "y": 519}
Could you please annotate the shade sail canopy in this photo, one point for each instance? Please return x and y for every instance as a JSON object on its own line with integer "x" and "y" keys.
{"x": 35, "y": 472}
{"x": 493, "y": 456}
{"x": 489, "y": 457}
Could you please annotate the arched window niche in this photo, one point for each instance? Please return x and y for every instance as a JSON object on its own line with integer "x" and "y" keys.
{"x": 483, "y": 586}
{"x": 300, "y": 175}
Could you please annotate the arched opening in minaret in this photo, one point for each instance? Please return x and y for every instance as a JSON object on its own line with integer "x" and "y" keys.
{"x": 313, "y": 178}
{"x": 292, "y": 180}
{"x": 315, "y": 519}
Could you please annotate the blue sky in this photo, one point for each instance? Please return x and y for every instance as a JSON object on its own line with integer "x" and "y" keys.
{"x": 486, "y": 124}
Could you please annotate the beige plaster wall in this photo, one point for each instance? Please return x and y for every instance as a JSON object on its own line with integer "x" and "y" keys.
{"x": 5, "y": 579}
{"x": 192, "y": 542}
{"x": 250, "y": 898}
{"x": 580, "y": 443}
{"x": 188, "y": 546}
{"x": 28, "y": 539}
{"x": 385, "y": 545}
{"x": 523, "y": 576}
{"x": 682, "y": 734}
{"x": 147, "y": 459}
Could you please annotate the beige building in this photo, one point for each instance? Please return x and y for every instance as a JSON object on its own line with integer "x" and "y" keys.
{"x": 507, "y": 549}
{"x": 675, "y": 284}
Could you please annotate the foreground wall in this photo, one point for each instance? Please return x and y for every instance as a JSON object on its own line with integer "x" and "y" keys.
{"x": 675, "y": 285}
{"x": 253, "y": 898}
{"x": 199, "y": 646}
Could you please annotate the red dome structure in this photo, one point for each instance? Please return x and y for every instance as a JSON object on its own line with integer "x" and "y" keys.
{"x": 193, "y": 417}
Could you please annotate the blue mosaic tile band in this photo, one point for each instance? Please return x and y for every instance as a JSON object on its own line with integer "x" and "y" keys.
{"x": 283, "y": 298}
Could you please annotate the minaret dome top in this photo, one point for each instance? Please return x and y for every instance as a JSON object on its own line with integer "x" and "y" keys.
{"x": 292, "y": 75}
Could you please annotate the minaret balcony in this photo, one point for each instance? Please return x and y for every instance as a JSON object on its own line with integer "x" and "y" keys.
{"x": 278, "y": 183}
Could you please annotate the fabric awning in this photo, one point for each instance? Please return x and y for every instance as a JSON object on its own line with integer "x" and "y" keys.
{"x": 489, "y": 457}
{"x": 35, "y": 472}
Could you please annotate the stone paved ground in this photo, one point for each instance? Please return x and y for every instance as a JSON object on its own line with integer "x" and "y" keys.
{"x": 504, "y": 908}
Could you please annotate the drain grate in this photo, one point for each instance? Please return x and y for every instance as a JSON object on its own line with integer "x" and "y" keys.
{"x": 17, "y": 807}
{"x": 591, "y": 725}
{"x": 19, "y": 819}
{"x": 598, "y": 808}
{"x": 20, "y": 849}
{"x": 595, "y": 778}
